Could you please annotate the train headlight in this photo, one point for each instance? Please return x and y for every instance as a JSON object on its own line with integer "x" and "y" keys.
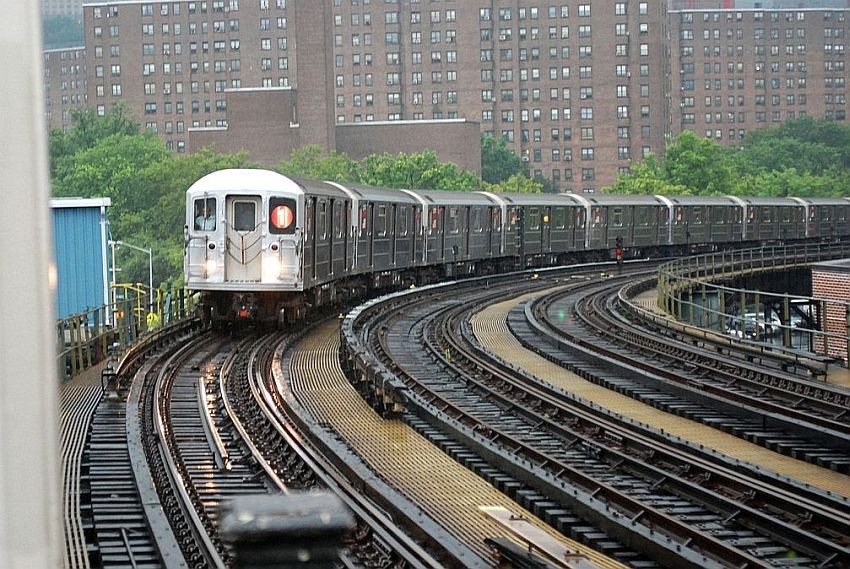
{"x": 211, "y": 265}
{"x": 272, "y": 268}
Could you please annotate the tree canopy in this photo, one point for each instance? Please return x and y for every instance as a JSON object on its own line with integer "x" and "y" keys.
{"x": 804, "y": 158}
{"x": 498, "y": 162}
{"x": 109, "y": 157}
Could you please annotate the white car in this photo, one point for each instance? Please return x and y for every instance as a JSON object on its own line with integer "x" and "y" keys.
{"x": 751, "y": 324}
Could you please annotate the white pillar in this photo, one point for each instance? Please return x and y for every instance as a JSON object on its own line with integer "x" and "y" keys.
{"x": 30, "y": 530}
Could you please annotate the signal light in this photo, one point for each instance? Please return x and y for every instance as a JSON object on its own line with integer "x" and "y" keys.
{"x": 282, "y": 217}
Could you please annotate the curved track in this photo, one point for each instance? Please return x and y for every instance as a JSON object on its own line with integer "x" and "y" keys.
{"x": 722, "y": 520}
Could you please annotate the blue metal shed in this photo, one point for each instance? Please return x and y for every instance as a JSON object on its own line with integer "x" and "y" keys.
{"x": 80, "y": 236}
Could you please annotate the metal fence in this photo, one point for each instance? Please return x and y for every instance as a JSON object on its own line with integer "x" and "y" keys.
{"x": 85, "y": 339}
{"x": 689, "y": 290}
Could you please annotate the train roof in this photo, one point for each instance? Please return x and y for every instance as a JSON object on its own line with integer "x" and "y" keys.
{"x": 540, "y": 199}
{"x": 374, "y": 193}
{"x": 702, "y": 200}
{"x": 622, "y": 199}
{"x": 771, "y": 201}
{"x": 441, "y": 197}
{"x": 222, "y": 181}
{"x": 824, "y": 201}
{"x": 240, "y": 180}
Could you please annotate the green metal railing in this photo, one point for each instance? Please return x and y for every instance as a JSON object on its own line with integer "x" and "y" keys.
{"x": 687, "y": 287}
{"x": 85, "y": 339}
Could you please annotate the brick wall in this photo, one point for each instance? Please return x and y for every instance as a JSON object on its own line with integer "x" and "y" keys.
{"x": 832, "y": 285}
{"x": 456, "y": 141}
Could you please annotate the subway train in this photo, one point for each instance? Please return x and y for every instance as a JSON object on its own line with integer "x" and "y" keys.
{"x": 260, "y": 246}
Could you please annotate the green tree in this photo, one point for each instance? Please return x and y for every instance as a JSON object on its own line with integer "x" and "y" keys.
{"x": 516, "y": 184}
{"x": 647, "y": 178}
{"x": 421, "y": 170}
{"x": 790, "y": 182}
{"x": 780, "y": 153}
{"x": 806, "y": 144}
{"x": 88, "y": 130}
{"x": 699, "y": 164}
{"x": 498, "y": 162}
{"x": 311, "y": 162}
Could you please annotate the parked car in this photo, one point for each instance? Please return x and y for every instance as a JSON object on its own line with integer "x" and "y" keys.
{"x": 751, "y": 324}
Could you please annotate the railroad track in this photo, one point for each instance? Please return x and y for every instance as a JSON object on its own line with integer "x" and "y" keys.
{"x": 199, "y": 426}
{"x": 287, "y": 452}
{"x": 723, "y": 521}
{"x": 781, "y": 413}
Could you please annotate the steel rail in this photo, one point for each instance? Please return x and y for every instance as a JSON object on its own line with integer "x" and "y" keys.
{"x": 174, "y": 473}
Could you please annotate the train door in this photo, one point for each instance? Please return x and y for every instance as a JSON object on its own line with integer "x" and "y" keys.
{"x": 546, "y": 230}
{"x": 496, "y": 231}
{"x": 443, "y": 228}
{"x": 468, "y": 233}
{"x": 417, "y": 240}
{"x": 364, "y": 239}
{"x": 338, "y": 233}
{"x": 309, "y": 242}
{"x": 392, "y": 234}
{"x": 520, "y": 235}
{"x": 243, "y": 262}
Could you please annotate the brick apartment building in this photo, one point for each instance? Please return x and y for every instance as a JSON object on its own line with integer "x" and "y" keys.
{"x": 64, "y": 83}
{"x": 736, "y": 70}
{"x": 577, "y": 88}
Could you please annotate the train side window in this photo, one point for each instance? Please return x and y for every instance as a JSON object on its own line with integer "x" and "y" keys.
{"x": 417, "y": 219}
{"x": 475, "y": 214}
{"x": 308, "y": 216}
{"x": 842, "y": 213}
{"x": 698, "y": 216}
{"x": 434, "y": 226}
{"x": 641, "y": 216}
{"x": 496, "y": 219}
{"x": 580, "y": 218}
{"x": 559, "y": 217}
{"x": 364, "y": 220}
{"x": 205, "y": 214}
{"x": 381, "y": 221}
{"x": 662, "y": 216}
{"x": 767, "y": 214}
{"x": 786, "y": 214}
{"x": 339, "y": 221}
{"x": 453, "y": 221}
{"x": 403, "y": 221}
{"x": 534, "y": 218}
{"x": 617, "y": 217}
{"x": 244, "y": 216}
{"x": 322, "y": 220}
{"x": 718, "y": 215}
{"x": 824, "y": 213}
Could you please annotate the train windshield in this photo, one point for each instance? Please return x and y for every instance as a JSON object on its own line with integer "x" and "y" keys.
{"x": 244, "y": 216}
{"x": 204, "y": 214}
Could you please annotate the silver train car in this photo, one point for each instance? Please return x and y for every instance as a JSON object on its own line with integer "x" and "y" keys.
{"x": 260, "y": 246}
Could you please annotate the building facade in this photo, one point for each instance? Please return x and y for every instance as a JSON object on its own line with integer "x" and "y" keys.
{"x": 578, "y": 89}
{"x": 737, "y": 70}
{"x": 64, "y": 84}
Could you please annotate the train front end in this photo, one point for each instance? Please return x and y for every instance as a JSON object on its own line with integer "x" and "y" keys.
{"x": 242, "y": 246}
